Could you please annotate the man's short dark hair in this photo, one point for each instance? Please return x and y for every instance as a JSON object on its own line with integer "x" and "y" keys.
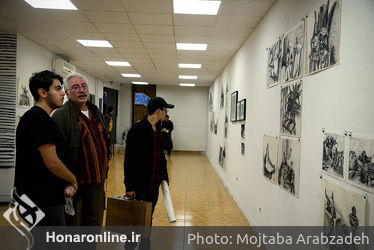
{"x": 44, "y": 80}
{"x": 110, "y": 109}
{"x": 167, "y": 116}
{"x": 157, "y": 103}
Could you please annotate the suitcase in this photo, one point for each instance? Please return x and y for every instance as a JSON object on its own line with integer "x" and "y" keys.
{"x": 124, "y": 212}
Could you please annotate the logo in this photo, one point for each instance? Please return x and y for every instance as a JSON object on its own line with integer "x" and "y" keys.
{"x": 23, "y": 215}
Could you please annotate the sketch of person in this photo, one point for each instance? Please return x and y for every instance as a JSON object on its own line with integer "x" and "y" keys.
{"x": 269, "y": 167}
{"x": 322, "y": 53}
{"x": 286, "y": 177}
{"x": 353, "y": 220}
{"x": 292, "y": 108}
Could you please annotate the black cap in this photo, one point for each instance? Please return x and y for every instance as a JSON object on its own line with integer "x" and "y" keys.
{"x": 157, "y": 103}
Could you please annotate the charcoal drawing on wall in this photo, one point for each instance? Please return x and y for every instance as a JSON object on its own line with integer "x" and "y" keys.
{"x": 361, "y": 163}
{"x": 323, "y": 36}
{"x": 340, "y": 208}
{"x": 290, "y": 110}
{"x": 242, "y": 131}
{"x": 288, "y": 165}
{"x": 274, "y": 63}
{"x": 293, "y": 53}
{"x": 210, "y": 100}
{"x": 270, "y": 157}
{"x": 24, "y": 97}
{"x": 333, "y": 154}
{"x": 242, "y": 148}
{"x": 233, "y": 110}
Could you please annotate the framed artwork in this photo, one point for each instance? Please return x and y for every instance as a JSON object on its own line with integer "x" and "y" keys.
{"x": 24, "y": 97}
{"x": 361, "y": 163}
{"x": 238, "y": 111}
{"x": 234, "y": 100}
{"x": 290, "y": 109}
{"x": 333, "y": 155}
{"x": 274, "y": 63}
{"x": 340, "y": 208}
{"x": 293, "y": 53}
{"x": 242, "y": 105}
{"x": 323, "y": 37}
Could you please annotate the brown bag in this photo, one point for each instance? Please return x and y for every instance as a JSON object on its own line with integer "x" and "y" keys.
{"x": 124, "y": 212}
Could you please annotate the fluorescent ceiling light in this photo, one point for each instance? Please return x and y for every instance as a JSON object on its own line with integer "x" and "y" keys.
{"x": 196, "y": 7}
{"x": 187, "y": 77}
{"x": 140, "y": 83}
{"x": 189, "y": 65}
{"x": 192, "y": 46}
{"x": 131, "y": 75}
{"x": 95, "y": 43}
{"x": 187, "y": 84}
{"x": 118, "y": 63}
{"x": 52, "y": 4}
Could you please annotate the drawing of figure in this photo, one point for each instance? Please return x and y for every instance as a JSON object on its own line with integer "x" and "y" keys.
{"x": 269, "y": 167}
{"x": 353, "y": 220}
{"x": 286, "y": 177}
{"x": 322, "y": 53}
{"x": 362, "y": 168}
{"x": 274, "y": 63}
{"x": 292, "y": 108}
{"x": 298, "y": 57}
{"x": 24, "y": 97}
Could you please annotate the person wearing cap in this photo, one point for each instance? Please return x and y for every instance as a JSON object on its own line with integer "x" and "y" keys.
{"x": 145, "y": 162}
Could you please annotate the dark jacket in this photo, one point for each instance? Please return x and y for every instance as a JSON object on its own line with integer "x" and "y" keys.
{"x": 139, "y": 157}
{"x": 66, "y": 119}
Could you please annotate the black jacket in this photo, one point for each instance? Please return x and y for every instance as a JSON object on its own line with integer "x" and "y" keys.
{"x": 139, "y": 157}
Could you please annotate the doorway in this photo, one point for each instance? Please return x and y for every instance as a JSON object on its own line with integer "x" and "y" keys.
{"x": 111, "y": 100}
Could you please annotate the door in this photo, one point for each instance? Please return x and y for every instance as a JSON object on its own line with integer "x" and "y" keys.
{"x": 111, "y": 100}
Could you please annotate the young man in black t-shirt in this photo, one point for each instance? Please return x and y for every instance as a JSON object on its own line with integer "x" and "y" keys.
{"x": 40, "y": 174}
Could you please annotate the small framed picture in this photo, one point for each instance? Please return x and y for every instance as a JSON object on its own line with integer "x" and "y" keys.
{"x": 233, "y": 110}
{"x": 242, "y": 109}
{"x": 238, "y": 111}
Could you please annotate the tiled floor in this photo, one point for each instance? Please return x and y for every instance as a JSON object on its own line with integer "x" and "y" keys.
{"x": 198, "y": 195}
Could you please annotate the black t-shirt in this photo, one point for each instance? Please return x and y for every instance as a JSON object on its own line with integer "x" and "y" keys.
{"x": 32, "y": 177}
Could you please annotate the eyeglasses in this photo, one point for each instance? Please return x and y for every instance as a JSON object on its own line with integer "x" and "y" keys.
{"x": 77, "y": 87}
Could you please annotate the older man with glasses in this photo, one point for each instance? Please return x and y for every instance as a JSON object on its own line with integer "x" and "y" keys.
{"x": 85, "y": 151}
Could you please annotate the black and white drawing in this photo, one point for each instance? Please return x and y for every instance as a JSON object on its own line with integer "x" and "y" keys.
{"x": 215, "y": 125}
{"x": 341, "y": 210}
{"x": 274, "y": 63}
{"x": 24, "y": 96}
{"x": 288, "y": 165}
{"x": 293, "y": 54}
{"x": 333, "y": 154}
{"x": 212, "y": 122}
{"x": 226, "y": 125}
{"x": 242, "y": 110}
{"x": 242, "y": 148}
{"x": 233, "y": 111}
{"x": 290, "y": 110}
{"x": 270, "y": 157}
{"x": 242, "y": 131}
{"x": 210, "y": 100}
{"x": 222, "y": 96}
{"x": 222, "y": 156}
{"x": 323, "y": 37}
{"x": 238, "y": 111}
{"x": 361, "y": 163}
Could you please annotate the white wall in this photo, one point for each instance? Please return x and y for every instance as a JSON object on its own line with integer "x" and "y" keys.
{"x": 188, "y": 116}
{"x": 338, "y": 99}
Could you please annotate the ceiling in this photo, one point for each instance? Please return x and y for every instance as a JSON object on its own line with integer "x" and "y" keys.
{"x": 142, "y": 32}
